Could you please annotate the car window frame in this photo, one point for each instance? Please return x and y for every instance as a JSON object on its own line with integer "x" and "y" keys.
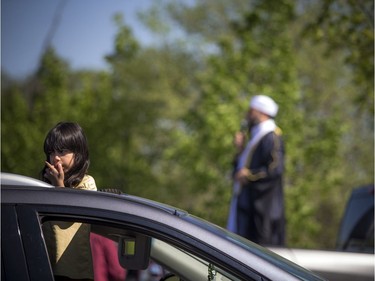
{"x": 138, "y": 224}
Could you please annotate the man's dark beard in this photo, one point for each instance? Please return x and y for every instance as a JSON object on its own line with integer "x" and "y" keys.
{"x": 252, "y": 123}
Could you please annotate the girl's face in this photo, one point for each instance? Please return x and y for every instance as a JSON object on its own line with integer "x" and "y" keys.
{"x": 64, "y": 157}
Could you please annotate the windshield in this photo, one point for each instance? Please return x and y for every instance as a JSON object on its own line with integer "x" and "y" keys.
{"x": 186, "y": 265}
{"x": 256, "y": 249}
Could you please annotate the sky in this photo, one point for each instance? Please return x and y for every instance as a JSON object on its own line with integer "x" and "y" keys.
{"x": 84, "y": 35}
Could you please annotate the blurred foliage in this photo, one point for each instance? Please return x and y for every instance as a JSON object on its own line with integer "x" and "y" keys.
{"x": 160, "y": 123}
{"x": 347, "y": 26}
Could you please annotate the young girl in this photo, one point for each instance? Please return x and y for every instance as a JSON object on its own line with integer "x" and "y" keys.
{"x": 67, "y": 157}
{"x": 66, "y": 166}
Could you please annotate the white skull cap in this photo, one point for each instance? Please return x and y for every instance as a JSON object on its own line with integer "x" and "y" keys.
{"x": 264, "y": 104}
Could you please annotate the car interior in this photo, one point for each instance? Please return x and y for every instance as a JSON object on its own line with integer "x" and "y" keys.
{"x": 140, "y": 256}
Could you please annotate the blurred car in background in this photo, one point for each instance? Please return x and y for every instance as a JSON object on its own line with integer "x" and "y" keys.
{"x": 357, "y": 226}
{"x": 353, "y": 259}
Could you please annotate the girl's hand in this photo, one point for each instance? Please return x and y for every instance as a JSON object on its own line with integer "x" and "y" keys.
{"x": 55, "y": 174}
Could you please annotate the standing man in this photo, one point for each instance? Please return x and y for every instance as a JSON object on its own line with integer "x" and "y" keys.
{"x": 257, "y": 207}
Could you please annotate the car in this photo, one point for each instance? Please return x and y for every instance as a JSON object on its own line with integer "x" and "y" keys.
{"x": 332, "y": 265}
{"x": 164, "y": 241}
{"x": 353, "y": 258}
{"x": 357, "y": 225}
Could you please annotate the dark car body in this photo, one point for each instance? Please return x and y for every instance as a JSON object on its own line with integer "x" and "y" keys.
{"x": 357, "y": 225}
{"x": 145, "y": 232}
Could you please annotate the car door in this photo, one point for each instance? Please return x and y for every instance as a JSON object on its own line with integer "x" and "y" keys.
{"x": 28, "y": 257}
{"x": 13, "y": 259}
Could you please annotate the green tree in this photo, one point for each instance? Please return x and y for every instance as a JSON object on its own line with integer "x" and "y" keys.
{"x": 53, "y": 94}
{"x": 257, "y": 59}
{"x": 152, "y": 89}
{"x": 348, "y": 26}
{"x": 28, "y": 110}
{"x": 160, "y": 123}
{"x": 263, "y": 51}
{"x": 16, "y": 134}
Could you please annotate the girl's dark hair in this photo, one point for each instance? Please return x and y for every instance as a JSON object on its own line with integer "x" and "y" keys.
{"x": 69, "y": 136}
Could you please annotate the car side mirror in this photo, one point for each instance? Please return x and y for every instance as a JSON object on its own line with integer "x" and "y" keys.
{"x": 134, "y": 251}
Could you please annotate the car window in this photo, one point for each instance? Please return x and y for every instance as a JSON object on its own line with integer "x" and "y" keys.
{"x": 81, "y": 250}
